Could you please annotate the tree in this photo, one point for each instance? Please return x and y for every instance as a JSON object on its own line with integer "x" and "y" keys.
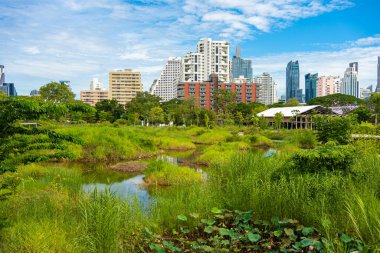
{"x": 336, "y": 100}
{"x": 112, "y": 107}
{"x": 362, "y": 114}
{"x": 331, "y": 128}
{"x": 56, "y": 93}
{"x": 156, "y": 115}
{"x": 142, "y": 104}
{"x": 374, "y": 105}
{"x": 278, "y": 119}
{"x": 239, "y": 118}
{"x": 292, "y": 102}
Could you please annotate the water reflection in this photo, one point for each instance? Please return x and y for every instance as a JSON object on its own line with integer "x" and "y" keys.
{"x": 129, "y": 189}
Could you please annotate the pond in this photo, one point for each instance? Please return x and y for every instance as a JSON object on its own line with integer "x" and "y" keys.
{"x": 131, "y": 187}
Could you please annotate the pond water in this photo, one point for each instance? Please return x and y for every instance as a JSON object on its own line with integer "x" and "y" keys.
{"x": 131, "y": 187}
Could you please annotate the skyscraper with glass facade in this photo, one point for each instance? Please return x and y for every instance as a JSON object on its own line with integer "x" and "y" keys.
{"x": 241, "y": 67}
{"x": 292, "y": 79}
{"x": 310, "y": 86}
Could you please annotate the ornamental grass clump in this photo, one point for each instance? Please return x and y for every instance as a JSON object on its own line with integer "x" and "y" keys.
{"x": 161, "y": 173}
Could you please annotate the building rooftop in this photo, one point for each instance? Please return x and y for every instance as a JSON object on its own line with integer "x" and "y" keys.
{"x": 288, "y": 111}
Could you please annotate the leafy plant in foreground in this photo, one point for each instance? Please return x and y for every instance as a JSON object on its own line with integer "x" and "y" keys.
{"x": 235, "y": 231}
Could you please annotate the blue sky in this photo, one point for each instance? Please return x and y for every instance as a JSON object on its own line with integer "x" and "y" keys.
{"x": 76, "y": 40}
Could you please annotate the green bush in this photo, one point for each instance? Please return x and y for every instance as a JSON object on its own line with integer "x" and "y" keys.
{"x": 364, "y": 128}
{"x": 327, "y": 158}
{"x": 336, "y": 129}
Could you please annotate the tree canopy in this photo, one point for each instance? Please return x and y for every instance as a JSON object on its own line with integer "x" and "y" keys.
{"x": 336, "y": 100}
{"x": 56, "y": 93}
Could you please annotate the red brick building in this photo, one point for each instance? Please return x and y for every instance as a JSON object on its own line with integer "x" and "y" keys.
{"x": 204, "y": 91}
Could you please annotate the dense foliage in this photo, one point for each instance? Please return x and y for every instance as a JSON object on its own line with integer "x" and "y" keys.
{"x": 336, "y": 100}
{"x": 326, "y": 158}
{"x": 333, "y": 129}
{"x": 236, "y": 231}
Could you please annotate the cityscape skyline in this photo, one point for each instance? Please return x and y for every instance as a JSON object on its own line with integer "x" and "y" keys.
{"x": 96, "y": 37}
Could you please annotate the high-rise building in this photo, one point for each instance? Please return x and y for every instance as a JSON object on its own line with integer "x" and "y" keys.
{"x": 310, "y": 86}
{"x": 66, "y": 82}
{"x": 216, "y": 57}
{"x": 124, "y": 85}
{"x": 292, "y": 79}
{"x": 2, "y": 75}
{"x": 166, "y": 86}
{"x": 96, "y": 84}
{"x": 350, "y": 84}
{"x": 192, "y": 69}
{"x": 212, "y": 57}
{"x": 365, "y": 93}
{"x": 95, "y": 94}
{"x": 328, "y": 85}
{"x": 378, "y": 75}
{"x": 300, "y": 96}
{"x": 266, "y": 89}
{"x": 241, "y": 67}
{"x": 34, "y": 93}
{"x": 9, "y": 89}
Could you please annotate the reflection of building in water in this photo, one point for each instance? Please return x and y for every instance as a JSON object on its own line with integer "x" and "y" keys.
{"x": 169, "y": 159}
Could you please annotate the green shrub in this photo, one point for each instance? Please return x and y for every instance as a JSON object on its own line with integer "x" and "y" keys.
{"x": 365, "y": 128}
{"x": 327, "y": 158}
{"x": 336, "y": 129}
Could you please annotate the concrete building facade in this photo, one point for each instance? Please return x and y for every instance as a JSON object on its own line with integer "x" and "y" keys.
{"x": 266, "y": 92}
{"x": 96, "y": 84}
{"x": 204, "y": 91}
{"x": 92, "y": 97}
{"x": 328, "y": 85}
{"x": 124, "y": 85}
{"x": 350, "y": 84}
{"x": 2, "y": 75}
{"x": 166, "y": 86}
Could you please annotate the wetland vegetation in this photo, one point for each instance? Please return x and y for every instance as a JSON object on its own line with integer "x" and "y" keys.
{"x": 103, "y": 187}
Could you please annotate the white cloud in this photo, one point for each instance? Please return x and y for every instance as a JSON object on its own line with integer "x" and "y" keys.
{"x": 32, "y": 50}
{"x": 369, "y": 41}
{"x": 263, "y": 15}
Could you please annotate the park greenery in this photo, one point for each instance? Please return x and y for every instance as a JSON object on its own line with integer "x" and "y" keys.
{"x": 261, "y": 188}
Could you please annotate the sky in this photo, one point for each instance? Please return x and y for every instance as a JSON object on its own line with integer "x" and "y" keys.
{"x": 76, "y": 40}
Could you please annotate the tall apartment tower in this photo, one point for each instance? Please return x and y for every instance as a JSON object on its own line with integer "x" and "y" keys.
{"x": 241, "y": 67}
{"x": 166, "y": 86}
{"x": 292, "y": 80}
{"x": 212, "y": 57}
{"x": 328, "y": 85}
{"x": 96, "y": 84}
{"x": 266, "y": 89}
{"x": 124, "y": 85}
{"x": 2, "y": 75}
{"x": 378, "y": 75}
{"x": 350, "y": 84}
{"x": 216, "y": 57}
{"x": 310, "y": 86}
